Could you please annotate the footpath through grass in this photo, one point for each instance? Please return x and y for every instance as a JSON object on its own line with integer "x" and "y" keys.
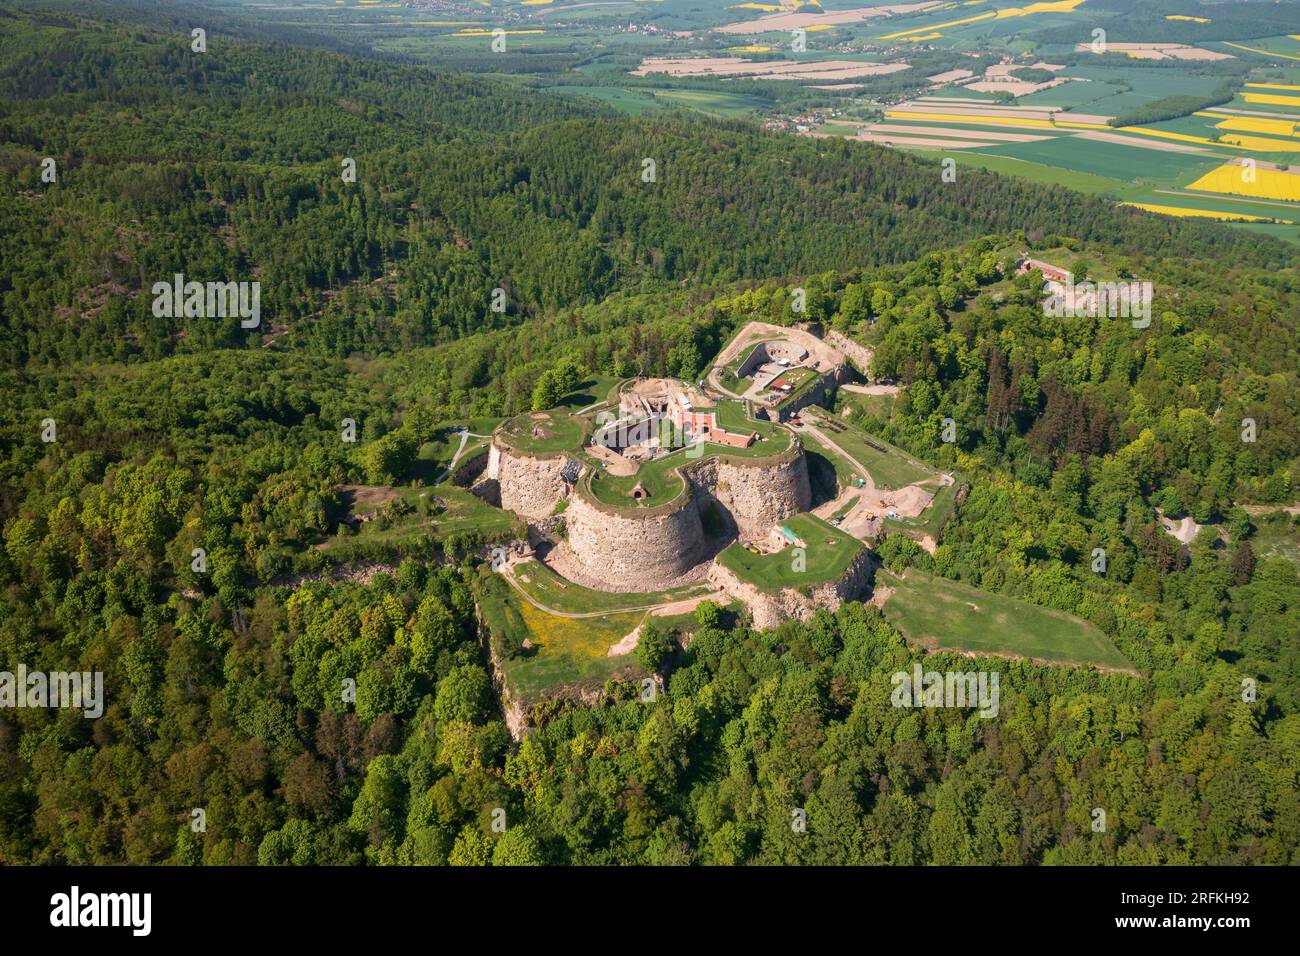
{"x": 890, "y": 468}
{"x": 565, "y": 653}
{"x": 547, "y": 587}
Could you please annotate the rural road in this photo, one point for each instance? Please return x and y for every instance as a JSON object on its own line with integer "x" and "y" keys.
{"x": 851, "y": 523}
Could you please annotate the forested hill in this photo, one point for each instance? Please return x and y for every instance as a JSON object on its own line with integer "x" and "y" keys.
{"x": 227, "y": 166}
{"x": 60, "y": 66}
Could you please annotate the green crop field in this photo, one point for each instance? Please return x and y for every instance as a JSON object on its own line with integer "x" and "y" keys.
{"x": 726, "y": 105}
{"x": 827, "y": 554}
{"x": 948, "y": 615}
{"x": 1110, "y": 160}
{"x": 629, "y": 102}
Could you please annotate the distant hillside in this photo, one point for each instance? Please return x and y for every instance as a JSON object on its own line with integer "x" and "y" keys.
{"x": 227, "y": 165}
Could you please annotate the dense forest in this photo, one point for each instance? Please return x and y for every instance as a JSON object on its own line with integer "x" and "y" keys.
{"x": 174, "y": 434}
{"x": 462, "y": 186}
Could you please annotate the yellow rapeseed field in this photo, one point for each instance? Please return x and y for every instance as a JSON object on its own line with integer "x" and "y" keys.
{"x": 971, "y": 120}
{"x": 1269, "y": 183}
{"x": 1056, "y": 6}
{"x": 1247, "y": 124}
{"x": 1271, "y": 99}
{"x": 1259, "y": 144}
{"x": 1197, "y": 213}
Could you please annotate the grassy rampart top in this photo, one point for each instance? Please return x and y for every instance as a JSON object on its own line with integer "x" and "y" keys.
{"x": 828, "y": 553}
{"x": 550, "y": 434}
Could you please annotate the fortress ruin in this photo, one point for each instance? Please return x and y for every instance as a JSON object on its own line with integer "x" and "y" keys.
{"x": 662, "y": 479}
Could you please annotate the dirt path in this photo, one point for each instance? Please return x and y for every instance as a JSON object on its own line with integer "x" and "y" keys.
{"x": 1268, "y": 509}
{"x": 855, "y": 520}
{"x": 464, "y": 437}
{"x": 871, "y": 389}
{"x": 822, "y": 437}
{"x": 1185, "y": 530}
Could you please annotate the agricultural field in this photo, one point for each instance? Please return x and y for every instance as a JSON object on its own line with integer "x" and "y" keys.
{"x": 941, "y": 614}
{"x": 827, "y": 554}
{"x": 1005, "y": 85}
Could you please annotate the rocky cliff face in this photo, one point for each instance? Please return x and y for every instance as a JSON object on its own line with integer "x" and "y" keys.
{"x": 770, "y": 608}
{"x": 756, "y": 495}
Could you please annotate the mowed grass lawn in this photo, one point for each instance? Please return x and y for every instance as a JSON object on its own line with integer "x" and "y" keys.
{"x": 556, "y": 430}
{"x": 827, "y": 555}
{"x": 658, "y": 477}
{"x": 466, "y": 511}
{"x": 948, "y": 615}
{"x": 845, "y": 473}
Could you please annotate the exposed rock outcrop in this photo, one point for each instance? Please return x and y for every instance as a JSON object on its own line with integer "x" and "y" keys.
{"x": 755, "y": 493}
{"x": 770, "y": 608}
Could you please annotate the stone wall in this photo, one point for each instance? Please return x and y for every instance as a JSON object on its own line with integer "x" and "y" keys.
{"x": 814, "y": 396}
{"x": 529, "y": 486}
{"x": 770, "y": 608}
{"x": 771, "y": 352}
{"x": 755, "y": 493}
{"x": 635, "y": 552}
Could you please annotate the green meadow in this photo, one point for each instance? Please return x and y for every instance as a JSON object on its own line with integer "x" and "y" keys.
{"x": 948, "y": 615}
